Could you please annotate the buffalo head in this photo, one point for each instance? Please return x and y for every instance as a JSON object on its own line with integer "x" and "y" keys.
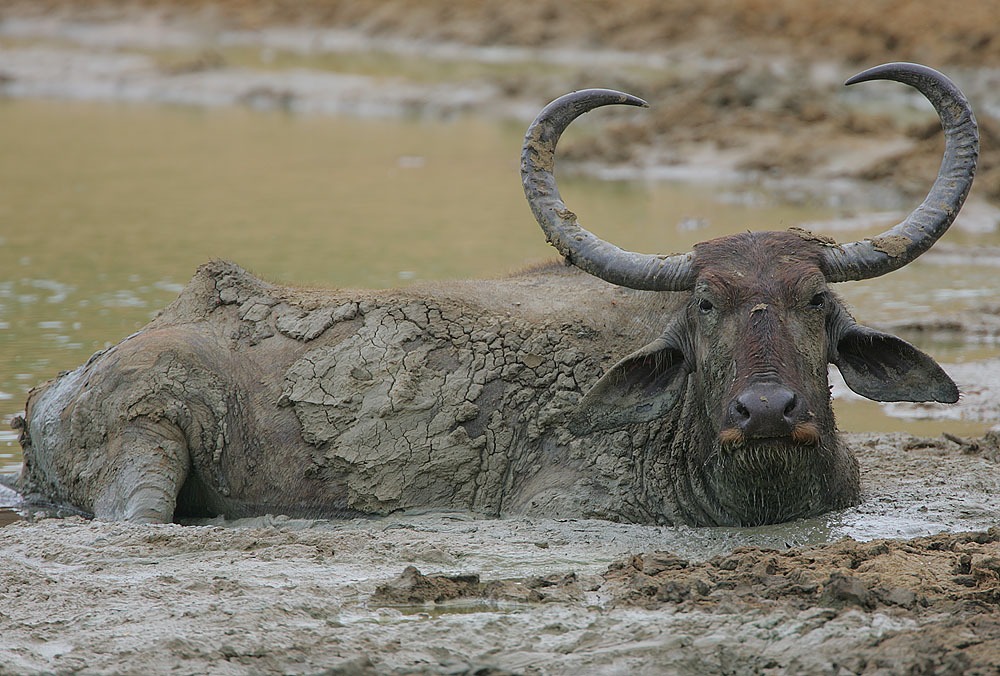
{"x": 741, "y": 368}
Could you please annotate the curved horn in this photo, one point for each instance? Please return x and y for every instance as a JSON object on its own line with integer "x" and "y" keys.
{"x": 902, "y": 243}
{"x": 580, "y": 247}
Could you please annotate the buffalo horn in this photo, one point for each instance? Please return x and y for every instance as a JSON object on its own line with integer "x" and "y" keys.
{"x": 579, "y": 246}
{"x": 902, "y": 243}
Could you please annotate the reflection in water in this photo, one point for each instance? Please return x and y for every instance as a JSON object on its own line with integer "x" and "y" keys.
{"x": 106, "y": 211}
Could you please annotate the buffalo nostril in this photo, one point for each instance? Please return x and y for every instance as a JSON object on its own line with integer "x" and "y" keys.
{"x": 792, "y": 405}
{"x": 741, "y": 410}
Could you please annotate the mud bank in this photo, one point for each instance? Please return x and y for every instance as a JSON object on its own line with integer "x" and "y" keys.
{"x": 977, "y": 380}
{"x": 980, "y": 324}
{"x": 856, "y": 30}
{"x": 449, "y": 593}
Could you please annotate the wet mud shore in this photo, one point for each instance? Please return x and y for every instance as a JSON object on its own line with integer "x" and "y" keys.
{"x": 906, "y": 582}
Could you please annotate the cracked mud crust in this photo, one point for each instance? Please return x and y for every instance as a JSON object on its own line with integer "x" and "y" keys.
{"x": 450, "y": 395}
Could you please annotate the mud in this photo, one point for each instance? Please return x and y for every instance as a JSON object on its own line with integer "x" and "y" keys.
{"x": 936, "y": 596}
{"x": 856, "y": 30}
{"x": 980, "y": 324}
{"x": 446, "y": 592}
{"x": 742, "y": 89}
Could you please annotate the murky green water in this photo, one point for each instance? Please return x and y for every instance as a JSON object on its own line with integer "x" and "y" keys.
{"x": 106, "y": 211}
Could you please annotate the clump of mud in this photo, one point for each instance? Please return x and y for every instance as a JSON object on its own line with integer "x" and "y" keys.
{"x": 931, "y": 603}
{"x": 948, "y": 586}
{"x": 413, "y": 588}
{"x": 933, "y": 574}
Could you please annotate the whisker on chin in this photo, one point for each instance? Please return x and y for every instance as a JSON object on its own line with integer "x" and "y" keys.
{"x": 803, "y": 434}
{"x": 806, "y": 434}
{"x": 730, "y": 436}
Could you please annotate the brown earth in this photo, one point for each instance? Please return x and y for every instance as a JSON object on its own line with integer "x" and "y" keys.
{"x": 948, "y": 586}
{"x": 449, "y": 593}
{"x": 853, "y": 31}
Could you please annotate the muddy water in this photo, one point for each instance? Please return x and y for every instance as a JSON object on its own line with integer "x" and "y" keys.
{"x": 106, "y": 211}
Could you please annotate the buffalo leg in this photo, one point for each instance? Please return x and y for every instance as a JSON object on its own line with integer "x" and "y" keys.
{"x": 152, "y": 465}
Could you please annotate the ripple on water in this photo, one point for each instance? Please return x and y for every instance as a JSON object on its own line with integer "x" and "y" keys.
{"x": 171, "y": 287}
{"x": 10, "y": 451}
{"x": 59, "y": 290}
{"x": 123, "y": 298}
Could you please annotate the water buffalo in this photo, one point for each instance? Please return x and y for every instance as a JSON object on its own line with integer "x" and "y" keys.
{"x": 243, "y": 397}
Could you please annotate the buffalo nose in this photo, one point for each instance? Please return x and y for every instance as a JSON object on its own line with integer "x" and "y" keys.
{"x": 765, "y": 410}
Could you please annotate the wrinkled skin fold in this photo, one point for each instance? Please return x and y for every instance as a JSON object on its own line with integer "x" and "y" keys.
{"x": 511, "y": 396}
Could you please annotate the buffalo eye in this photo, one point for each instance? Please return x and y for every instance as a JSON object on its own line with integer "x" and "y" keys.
{"x": 817, "y": 302}
{"x": 705, "y": 306}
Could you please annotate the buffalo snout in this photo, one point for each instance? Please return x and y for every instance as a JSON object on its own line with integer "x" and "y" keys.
{"x": 768, "y": 410}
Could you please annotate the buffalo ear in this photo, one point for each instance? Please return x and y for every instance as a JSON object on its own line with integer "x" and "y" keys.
{"x": 886, "y": 368}
{"x": 641, "y": 387}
